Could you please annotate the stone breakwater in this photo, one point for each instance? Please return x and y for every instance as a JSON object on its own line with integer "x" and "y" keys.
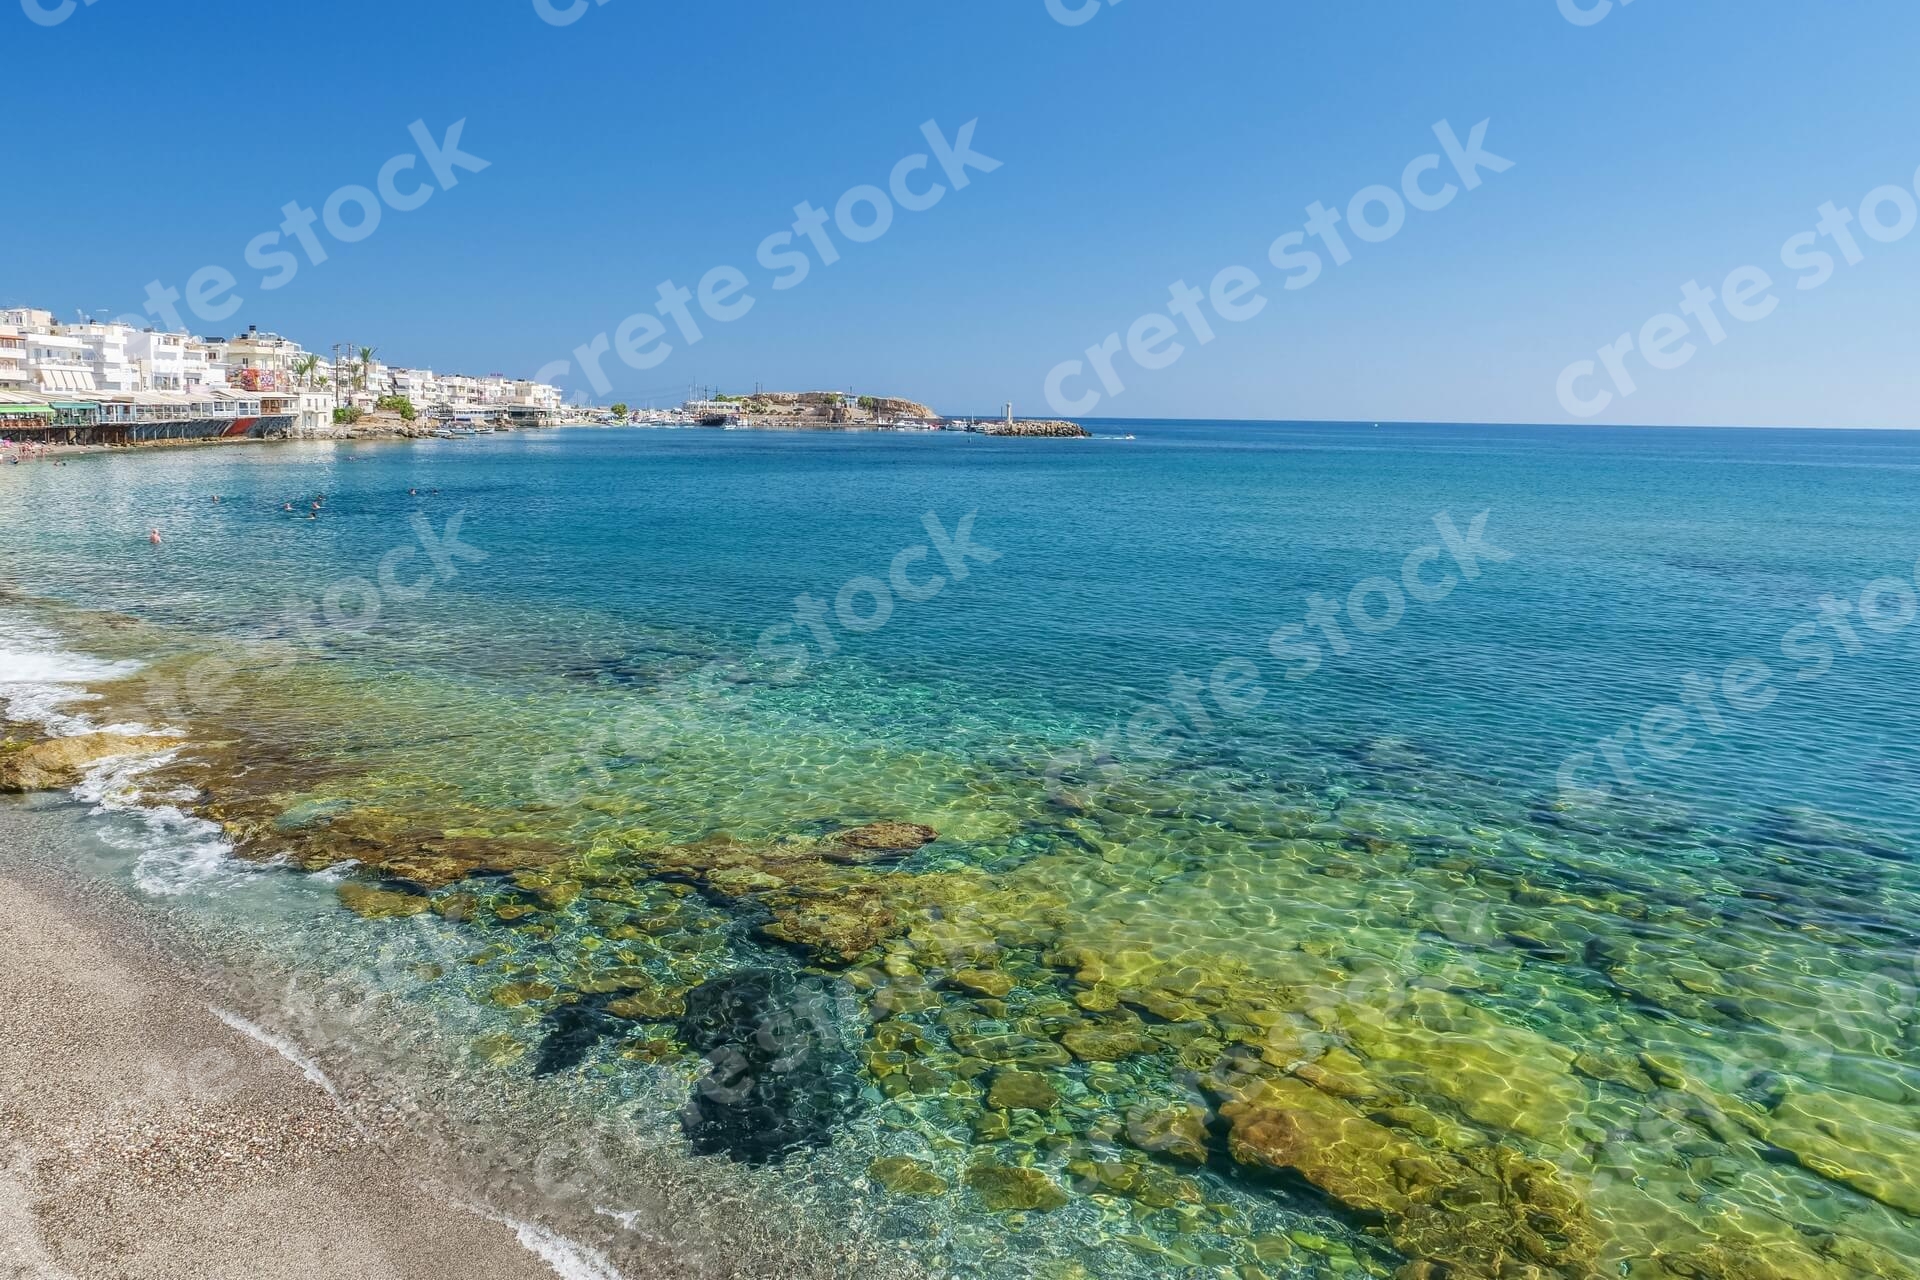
{"x": 1057, "y": 429}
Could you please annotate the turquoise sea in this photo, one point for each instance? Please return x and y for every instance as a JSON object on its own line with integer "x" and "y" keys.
{"x": 1235, "y": 951}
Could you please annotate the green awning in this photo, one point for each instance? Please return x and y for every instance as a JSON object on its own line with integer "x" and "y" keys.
{"x": 25, "y": 410}
{"x": 71, "y": 406}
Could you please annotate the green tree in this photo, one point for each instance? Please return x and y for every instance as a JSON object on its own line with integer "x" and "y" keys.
{"x": 366, "y": 367}
{"x": 620, "y": 409}
{"x": 397, "y": 404}
{"x": 304, "y": 367}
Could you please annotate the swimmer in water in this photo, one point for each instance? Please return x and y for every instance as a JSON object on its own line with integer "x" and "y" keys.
{"x": 153, "y": 536}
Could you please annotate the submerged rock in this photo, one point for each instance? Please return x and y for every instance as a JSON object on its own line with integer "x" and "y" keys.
{"x": 1108, "y": 1044}
{"x": 1176, "y": 1131}
{"x": 1858, "y": 1142}
{"x": 1137, "y": 1179}
{"x": 905, "y": 1176}
{"x": 983, "y": 982}
{"x": 779, "y": 1076}
{"x": 879, "y": 840}
{"x": 827, "y": 899}
{"x": 1486, "y": 1212}
{"x": 61, "y": 762}
{"x": 366, "y": 901}
{"x": 569, "y": 1033}
{"x": 1022, "y": 1090}
{"x": 1005, "y": 1188}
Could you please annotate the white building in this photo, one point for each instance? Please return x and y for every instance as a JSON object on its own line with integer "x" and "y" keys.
{"x": 105, "y": 348}
{"x": 28, "y": 319}
{"x": 314, "y": 412}
{"x": 459, "y": 393}
{"x": 534, "y": 395}
{"x": 59, "y": 363}
{"x": 160, "y": 360}
{"x": 367, "y": 381}
{"x": 418, "y": 386}
{"x": 201, "y": 368}
{"x": 15, "y": 374}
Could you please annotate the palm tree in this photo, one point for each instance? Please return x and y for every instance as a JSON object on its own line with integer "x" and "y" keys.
{"x": 304, "y": 367}
{"x": 366, "y": 365}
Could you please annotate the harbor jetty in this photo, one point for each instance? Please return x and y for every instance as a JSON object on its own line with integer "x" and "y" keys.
{"x": 1046, "y": 427}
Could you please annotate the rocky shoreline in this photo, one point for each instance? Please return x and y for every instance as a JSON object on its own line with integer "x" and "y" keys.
{"x": 1059, "y": 1058}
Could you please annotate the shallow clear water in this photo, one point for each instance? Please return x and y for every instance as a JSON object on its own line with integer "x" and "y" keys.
{"x": 1681, "y": 983}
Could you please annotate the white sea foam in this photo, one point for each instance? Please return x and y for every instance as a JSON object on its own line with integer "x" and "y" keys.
{"x": 285, "y": 1048}
{"x": 629, "y": 1220}
{"x": 174, "y": 852}
{"x": 43, "y": 688}
{"x": 42, "y": 683}
{"x": 569, "y": 1259}
{"x": 40, "y": 680}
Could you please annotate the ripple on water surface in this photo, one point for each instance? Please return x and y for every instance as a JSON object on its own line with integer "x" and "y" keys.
{"x": 1322, "y": 993}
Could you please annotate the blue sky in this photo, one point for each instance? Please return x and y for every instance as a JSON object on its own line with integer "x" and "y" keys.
{"x": 1672, "y": 140}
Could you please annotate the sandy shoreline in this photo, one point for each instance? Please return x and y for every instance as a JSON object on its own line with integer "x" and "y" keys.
{"x": 147, "y": 1137}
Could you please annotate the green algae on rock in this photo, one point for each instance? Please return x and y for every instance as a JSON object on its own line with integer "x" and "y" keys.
{"x": 1478, "y": 1213}
{"x": 1014, "y": 1090}
{"x": 381, "y": 904}
{"x": 1006, "y": 1189}
{"x": 906, "y": 1176}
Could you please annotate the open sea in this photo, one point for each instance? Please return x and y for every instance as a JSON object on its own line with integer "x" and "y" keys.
{"x": 1217, "y": 850}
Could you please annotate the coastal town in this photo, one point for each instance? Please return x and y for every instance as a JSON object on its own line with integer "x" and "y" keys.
{"x": 109, "y": 383}
{"x": 95, "y": 382}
